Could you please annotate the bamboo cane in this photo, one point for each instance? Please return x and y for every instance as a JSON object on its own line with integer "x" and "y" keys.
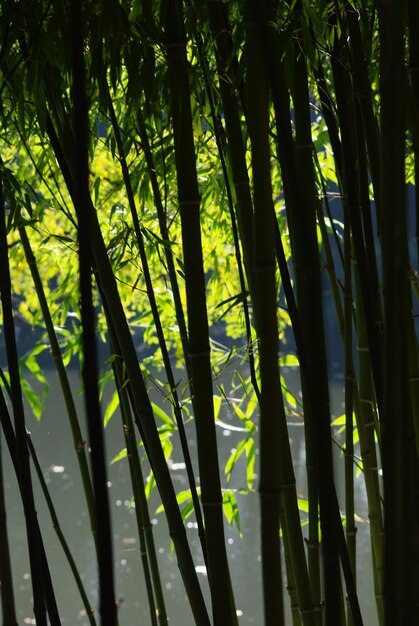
{"x": 7, "y": 593}
{"x": 80, "y": 167}
{"x": 188, "y": 195}
{"x": 19, "y": 419}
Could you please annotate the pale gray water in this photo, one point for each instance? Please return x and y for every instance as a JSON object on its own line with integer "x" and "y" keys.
{"x": 53, "y": 443}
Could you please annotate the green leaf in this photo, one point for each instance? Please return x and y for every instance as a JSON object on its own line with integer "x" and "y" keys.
{"x": 289, "y": 360}
{"x": 33, "y": 399}
{"x": 119, "y": 456}
{"x": 231, "y": 510}
{"x": 150, "y": 485}
{"x": 250, "y": 457}
{"x": 217, "y": 406}
{"x": 158, "y": 412}
{"x": 167, "y": 447}
{"x": 187, "y": 510}
{"x": 234, "y": 457}
{"x": 339, "y": 421}
{"x": 111, "y": 408}
{"x": 303, "y": 505}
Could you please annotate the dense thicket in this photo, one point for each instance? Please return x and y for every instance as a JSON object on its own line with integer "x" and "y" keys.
{"x": 198, "y": 170}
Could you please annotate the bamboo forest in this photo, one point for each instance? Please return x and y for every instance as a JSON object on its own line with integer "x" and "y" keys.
{"x": 209, "y": 365}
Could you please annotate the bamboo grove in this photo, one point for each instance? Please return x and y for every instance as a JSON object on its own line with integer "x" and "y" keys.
{"x": 176, "y": 166}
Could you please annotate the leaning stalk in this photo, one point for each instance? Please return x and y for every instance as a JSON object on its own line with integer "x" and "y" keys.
{"x": 145, "y": 528}
{"x": 141, "y": 403}
{"x": 22, "y": 453}
{"x": 78, "y": 440}
{"x": 159, "y": 329}
{"x": 60, "y": 535}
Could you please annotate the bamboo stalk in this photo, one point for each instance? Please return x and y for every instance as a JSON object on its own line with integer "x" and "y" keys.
{"x": 413, "y": 20}
{"x": 143, "y": 412}
{"x": 60, "y": 535}
{"x": 6, "y": 580}
{"x": 287, "y": 160}
{"x": 145, "y": 529}
{"x": 364, "y": 407}
{"x": 225, "y": 60}
{"x": 78, "y": 440}
{"x": 291, "y": 586}
{"x": 398, "y": 453}
{"x": 315, "y": 373}
{"x": 358, "y": 59}
{"x": 159, "y": 330}
{"x": 10, "y": 437}
{"x": 368, "y": 282}
{"x": 22, "y": 453}
{"x": 349, "y": 406}
{"x": 288, "y": 479}
{"x": 158, "y": 613}
{"x": 107, "y": 603}
{"x": 363, "y": 402}
{"x": 265, "y": 303}
{"x": 164, "y": 232}
{"x": 199, "y": 351}
{"x": 218, "y": 131}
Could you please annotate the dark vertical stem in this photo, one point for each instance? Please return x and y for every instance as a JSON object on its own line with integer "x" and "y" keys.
{"x": 292, "y": 185}
{"x": 413, "y": 24}
{"x": 143, "y": 412}
{"x": 6, "y": 580}
{"x": 189, "y": 203}
{"x": 90, "y": 365}
{"x": 164, "y": 231}
{"x": 235, "y": 144}
{"x": 264, "y": 268}
{"x": 398, "y": 451}
{"x": 60, "y": 535}
{"x": 159, "y": 328}
{"x": 78, "y": 440}
{"x": 9, "y": 435}
{"x": 22, "y": 453}
{"x": 368, "y": 282}
{"x": 358, "y": 60}
{"x": 218, "y": 132}
{"x": 349, "y": 405}
{"x": 145, "y": 527}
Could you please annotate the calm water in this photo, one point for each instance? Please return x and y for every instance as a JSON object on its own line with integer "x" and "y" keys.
{"x": 52, "y": 440}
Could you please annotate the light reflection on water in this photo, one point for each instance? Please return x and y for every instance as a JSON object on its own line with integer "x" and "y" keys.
{"x": 52, "y": 440}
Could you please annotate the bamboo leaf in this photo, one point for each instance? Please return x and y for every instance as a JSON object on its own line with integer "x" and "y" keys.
{"x": 111, "y": 408}
{"x": 158, "y": 412}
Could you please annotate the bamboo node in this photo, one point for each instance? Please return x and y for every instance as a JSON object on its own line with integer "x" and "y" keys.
{"x": 269, "y": 494}
{"x": 313, "y": 609}
{"x": 288, "y": 485}
{"x": 189, "y": 201}
{"x": 177, "y": 533}
{"x": 240, "y": 183}
{"x": 182, "y": 43}
{"x": 366, "y": 401}
{"x": 196, "y": 355}
{"x": 259, "y": 269}
{"x": 211, "y": 504}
